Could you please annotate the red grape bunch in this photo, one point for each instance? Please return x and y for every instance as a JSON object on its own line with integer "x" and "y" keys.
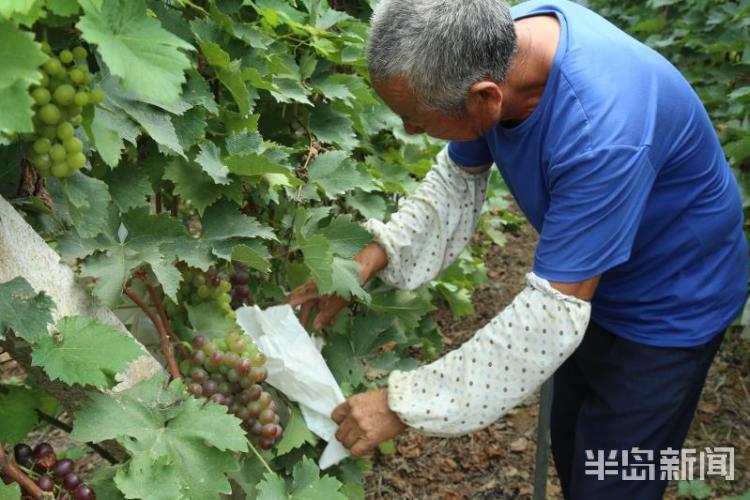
{"x": 59, "y": 100}
{"x": 50, "y": 474}
{"x": 230, "y": 371}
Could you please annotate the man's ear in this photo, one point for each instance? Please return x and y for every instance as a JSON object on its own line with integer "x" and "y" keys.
{"x": 485, "y": 100}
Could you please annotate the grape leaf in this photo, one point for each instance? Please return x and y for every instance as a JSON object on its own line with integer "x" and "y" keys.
{"x": 223, "y": 220}
{"x": 63, "y": 8}
{"x": 10, "y": 491}
{"x": 87, "y": 199}
{"x": 20, "y": 55}
{"x": 18, "y": 406}
{"x": 136, "y": 48}
{"x": 335, "y": 87}
{"x": 319, "y": 259}
{"x": 251, "y": 257}
{"x": 17, "y": 113}
{"x": 306, "y": 485}
{"x": 85, "y": 351}
{"x": 370, "y": 205}
{"x": 144, "y": 242}
{"x": 107, "y": 131}
{"x": 345, "y": 280}
{"x": 210, "y": 159}
{"x": 335, "y": 173}
{"x": 190, "y": 127}
{"x": 180, "y": 447}
{"x": 209, "y": 319}
{"x": 129, "y": 187}
{"x": 23, "y": 310}
{"x": 345, "y": 236}
{"x": 296, "y": 434}
{"x": 407, "y": 306}
{"x": 333, "y": 127}
{"x": 193, "y": 184}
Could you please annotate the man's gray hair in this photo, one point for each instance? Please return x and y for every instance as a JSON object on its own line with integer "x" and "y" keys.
{"x": 441, "y": 47}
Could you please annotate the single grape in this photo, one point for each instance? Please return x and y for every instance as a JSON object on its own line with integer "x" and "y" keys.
{"x": 256, "y": 392}
{"x": 209, "y": 388}
{"x": 199, "y": 280}
{"x": 266, "y": 444}
{"x": 66, "y": 56}
{"x": 96, "y": 96}
{"x": 45, "y": 80}
{"x": 244, "y": 366}
{"x": 199, "y": 357}
{"x": 223, "y": 388}
{"x": 217, "y": 398}
{"x": 75, "y": 120}
{"x": 228, "y": 400}
{"x": 48, "y": 131}
{"x": 81, "y": 98}
{"x": 41, "y": 96}
{"x": 42, "y": 145}
{"x": 256, "y": 428}
{"x": 258, "y": 374}
{"x": 217, "y": 358}
{"x": 217, "y": 377}
{"x": 71, "y": 481}
{"x": 231, "y": 359}
{"x": 195, "y": 389}
{"x": 59, "y": 169}
{"x": 258, "y": 359}
{"x": 76, "y": 160}
{"x": 49, "y": 114}
{"x": 269, "y": 431}
{"x": 199, "y": 341}
{"x": 45, "y": 48}
{"x": 73, "y": 110}
{"x": 185, "y": 366}
{"x": 73, "y": 145}
{"x": 240, "y": 278}
{"x": 79, "y": 53}
{"x": 243, "y": 414}
{"x": 63, "y": 467}
{"x": 42, "y": 163}
{"x": 45, "y": 483}
{"x": 76, "y": 75}
{"x": 265, "y": 399}
{"x": 22, "y": 453}
{"x": 255, "y": 409}
{"x": 199, "y": 375}
{"x": 64, "y": 94}
{"x": 53, "y": 67}
{"x": 233, "y": 376}
{"x": 246, "y": 381}
{"x": 65, "y": 131}
{"x": 225, "y": 286}
{"x": 57, "y": 153}
{"x": 266, "y": 416}
{"x": 44, "y": 456}
{"x": 223, "y": 298}
{"x": 83, "y": 492}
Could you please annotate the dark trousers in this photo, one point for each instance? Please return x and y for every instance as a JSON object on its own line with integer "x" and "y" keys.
{"x": 613, "y": 394}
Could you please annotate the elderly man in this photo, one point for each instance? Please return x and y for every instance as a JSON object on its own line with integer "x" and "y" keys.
{"x": 641, "y": 262}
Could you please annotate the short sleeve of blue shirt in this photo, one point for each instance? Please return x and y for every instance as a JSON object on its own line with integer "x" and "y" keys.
{"x": 596, "y": 204}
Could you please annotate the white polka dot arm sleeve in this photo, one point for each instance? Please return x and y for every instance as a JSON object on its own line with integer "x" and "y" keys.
{"x": 503, "y": 363}
{"x": 432, "y": 226}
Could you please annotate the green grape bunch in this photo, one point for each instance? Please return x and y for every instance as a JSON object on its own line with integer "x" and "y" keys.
{"x": 198, "y": 287}
{"x": 231, "y": 371}
{"x": 59, "y": 100}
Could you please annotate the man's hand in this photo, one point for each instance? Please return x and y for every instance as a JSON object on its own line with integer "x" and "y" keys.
{"x": 365, "y": 421}
{"x": 370, "y": 260}
{"x": 308, "y": 297}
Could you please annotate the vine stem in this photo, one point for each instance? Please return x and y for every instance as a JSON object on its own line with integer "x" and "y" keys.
{"x": 260, "y": 457}
{"x": 67, "y": 428}
{"x": 159, "y": 306}
{"x": 166, "y": 346}
{"x": 12, "y": 471}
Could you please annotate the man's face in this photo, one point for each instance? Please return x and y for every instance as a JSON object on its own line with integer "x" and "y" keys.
{"x": 402, "y": 101}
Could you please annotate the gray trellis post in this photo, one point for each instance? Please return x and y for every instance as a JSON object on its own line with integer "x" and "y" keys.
{"x": 543, "y": 441}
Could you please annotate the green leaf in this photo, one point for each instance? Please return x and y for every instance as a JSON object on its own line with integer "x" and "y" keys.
{"x": 251, "y": 257}
{"x": 345, "y": 236}
{"x": 193, "y": 184}
{"x": 86, "y": 352}
{"x": 319, "y": 259}
{"x": 87, "y": 199}
{"x": 344, "y": 362}
{"x": 190, "y": 127}
{"x": 333, "y": 127}
{"x": 17, "y": 112}
{"x": 108, "y": 130}
{"x": 209, "y": 319}
{"x": 370, "y": 205}
{"x": 223, "y": 220}
{"x": 18, "y": 405}
{"x": 63, "y": 8}
{"x": 345, "y": 280}
{"x": 407, "y": 306}
{"x": 10, "y": 491}
{"x": 20, "y": 55}
{"x": 306, "y": 485}
{"x": 180, "y": 447}
{"x": 296, "y": 434}
{"x": 24, "y": 311}
{"x": 129, "y": 186}
{"x": 251, "y": 164}
{"x": 335, "y": 173}
{"x": 210, "y": 159}
{"x": 136, "y": 48}
{"x": 234, "y": 83}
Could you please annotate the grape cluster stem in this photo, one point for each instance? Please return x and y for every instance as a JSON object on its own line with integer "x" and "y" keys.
{"x": 166, "y": 345}
{"x": 12, "y": 471}
{"x": 159, "y": 305}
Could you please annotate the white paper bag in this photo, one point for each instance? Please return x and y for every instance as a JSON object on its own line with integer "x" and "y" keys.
{"x": 297, "y": 369}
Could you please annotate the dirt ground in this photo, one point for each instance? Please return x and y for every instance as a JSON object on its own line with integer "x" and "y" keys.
{"x": 498, "y": 462}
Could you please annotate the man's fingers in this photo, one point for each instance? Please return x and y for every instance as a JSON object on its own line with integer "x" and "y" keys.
{"x": 304, "y": 314}
{"x": 340, "y": 412}
{"x": 361, "y": 448}
{"x": 349, "y": 432}
{"x": 329, "y": 308}
{"x": 302, "y": 294}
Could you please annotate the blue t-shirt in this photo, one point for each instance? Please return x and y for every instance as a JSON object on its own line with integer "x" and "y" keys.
{"x": 621, "y": 172}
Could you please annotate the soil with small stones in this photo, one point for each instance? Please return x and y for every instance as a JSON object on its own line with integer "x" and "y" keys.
{"x": 498, "y": 462}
